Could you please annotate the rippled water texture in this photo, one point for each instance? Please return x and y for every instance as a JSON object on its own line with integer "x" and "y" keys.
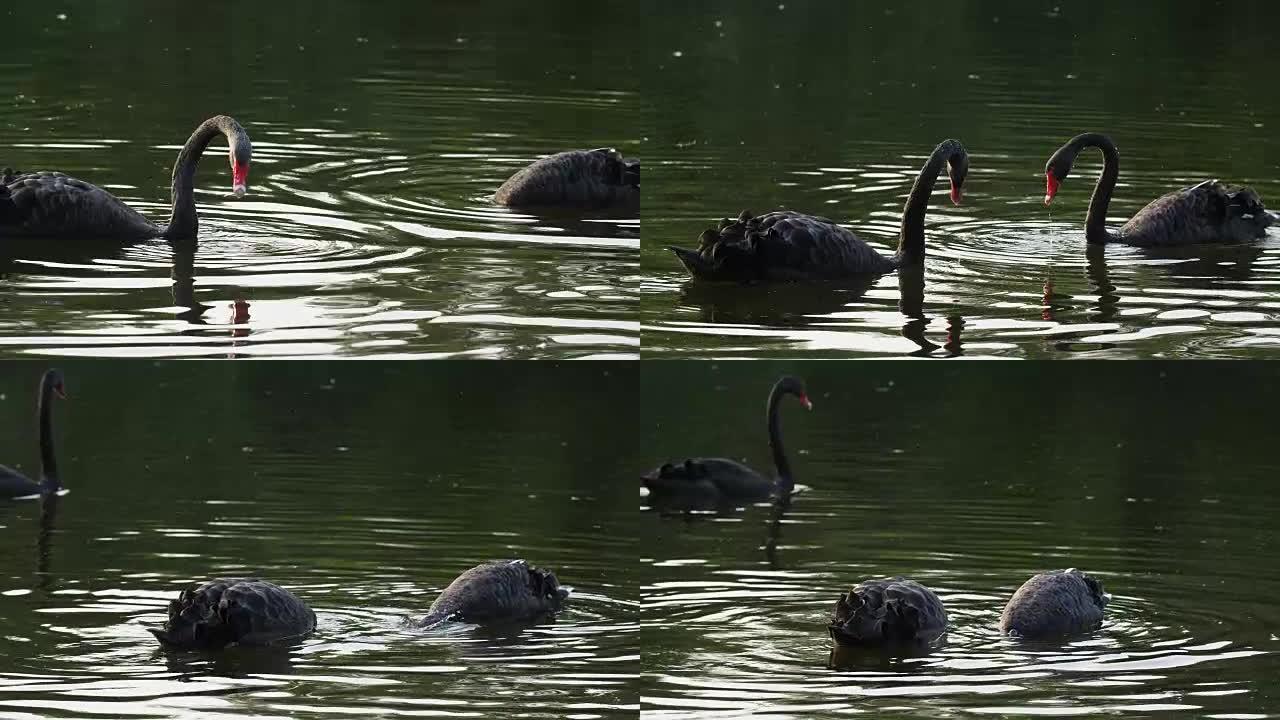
{"x": 378, "y": 137}
{"x": 1167, "y": 500}
{"x": 366, "y": 489}
{"x": 830, "y": 108}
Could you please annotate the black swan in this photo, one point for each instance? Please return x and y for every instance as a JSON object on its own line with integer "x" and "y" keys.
{"x": 53, "y": 205}
{"x": 578, "y": 179}
{"x": 788, "y": 246}
{"x": 226, "y": 612}
{"x": 726, "y": 480}
{"x": 888, "y": 612}
{"x": 496, "y": 592}
{"x": 14, "y": 484}
{"x": 1206, "y": 213}
{"x": 1054, "y": 605}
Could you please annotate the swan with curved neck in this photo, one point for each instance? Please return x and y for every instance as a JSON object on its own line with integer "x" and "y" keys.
{"x": 788, "y": 246}
{"x": 1206, "y": 213}
{"x": 13, "y": 483}
{"x": 722, "y": 480}
{"x": 53, "y": 205}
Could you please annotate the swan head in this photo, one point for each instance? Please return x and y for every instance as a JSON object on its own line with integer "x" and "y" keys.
{"x": 1051, "y": 185}
{"x": 240, "y": 153}
{"x": 1057, "y": 170}
{"x": 790, "y": 385}
{"x": 958, "y": 170}
{"x": 54, "y": 382}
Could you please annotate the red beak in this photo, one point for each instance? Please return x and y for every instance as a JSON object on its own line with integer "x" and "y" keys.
{"x": 239, "y": 178}
{"x": 60, "y": 392}
{"x": 1051, "y": 185}
{"x": 956, "y": 194}
{"x": 804, "y": 400}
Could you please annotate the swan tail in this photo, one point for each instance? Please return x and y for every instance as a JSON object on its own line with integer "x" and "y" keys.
{"x": 225, "y": 612}
{"x": 546, "y": 585}
{"x": 194, "y": 620}
{"x": 696, "y": 265}
{"x": 886, "y": 612}
{"x": 631, "y": 173}
{"x": 727, "y": 253}
{"x": 9, "y": 212}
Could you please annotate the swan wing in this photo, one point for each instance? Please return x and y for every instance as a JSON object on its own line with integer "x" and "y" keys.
{"x": 783, "y": 246}
{"x": 1209, "y": 212}
{"x": 51, "y": 204}
{"x": 598, "y": 178}
{"x": 888, "y": 611}
{"x": 245, "y": 611}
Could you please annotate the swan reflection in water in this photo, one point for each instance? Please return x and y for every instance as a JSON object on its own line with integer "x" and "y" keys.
{"x": 1200, "y": 268}
{"x": 799, "y": 306}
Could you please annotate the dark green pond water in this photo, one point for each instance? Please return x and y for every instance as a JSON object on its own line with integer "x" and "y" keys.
{"x": 830, "y": 108}
{"x": 366, "y": 489}
{"x": 378, "y": 136}
{"x": 970, "y": 480}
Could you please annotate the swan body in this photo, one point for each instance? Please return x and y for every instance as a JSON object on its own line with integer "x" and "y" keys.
{"x": 227, "y": 612}
{"x": 897, "y": 611}
{"x": 1209, "y": 212}
{"x": 727, "y": 480}
{"x": 1054, "y": 605}
{"x": 788, "y": 246}
{"x": 53, "y": 205}
{"x": 14, "y": 484}
{"x": 578, "y": 179}
{"x": 709, "y": 477}
{"x": 496, "y": 592}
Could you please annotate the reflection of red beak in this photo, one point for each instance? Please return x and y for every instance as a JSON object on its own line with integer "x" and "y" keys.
{"x": 239, "y": 312}
{"x": 804, "y": 400}
{"x": 956, "y": 194}
{"x": 60, "y": 392}
{"x": 1051, "y": 184}
{"x": 240, "y": 179}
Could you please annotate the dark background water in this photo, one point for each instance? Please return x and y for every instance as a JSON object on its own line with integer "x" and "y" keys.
{"x": 366, "y": 489}
{"x": 1157, "y": 479}
{"x": 379, "y": 133}
{"x": 830, "y": 108}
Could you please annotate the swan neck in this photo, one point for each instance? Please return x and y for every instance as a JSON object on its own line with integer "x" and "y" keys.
{"x": 785, "y": 483}
{"x": 183, "y": 224}
{"x": 1095, "y": 223}
{"x": 911, "y": 237}
{"x": 48, "y": 461}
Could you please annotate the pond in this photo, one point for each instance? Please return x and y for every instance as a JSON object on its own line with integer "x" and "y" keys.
{"x": 1150, "y": 479}
{"x": 831, "y": 108}
{"x": 365, "y": 489}
{"x": 378, "y": 138}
